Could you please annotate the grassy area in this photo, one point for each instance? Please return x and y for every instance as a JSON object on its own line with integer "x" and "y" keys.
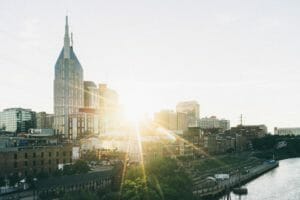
{"x": 222, "y": 162}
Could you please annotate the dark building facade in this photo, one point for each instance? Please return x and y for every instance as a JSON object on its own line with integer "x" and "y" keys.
{"x": 30, "y": 156}
{"x": 250, "y": 131}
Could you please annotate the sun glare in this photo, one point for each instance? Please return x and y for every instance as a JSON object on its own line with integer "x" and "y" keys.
{"x": 134, "y": 107}
{"x": 133, "y": 112}
{"x": 137, "y": 102}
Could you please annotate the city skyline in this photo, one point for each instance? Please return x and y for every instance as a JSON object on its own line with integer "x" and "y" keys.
{"x": 224, "y": 73}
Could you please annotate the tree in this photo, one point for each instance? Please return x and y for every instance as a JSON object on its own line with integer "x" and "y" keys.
{"x": 162, "y": 179}
{"x": 2, "y": 181}
{"x": 80, "y": 195}
{"x": 13, "y": 179}
{"x": 79, "y": 167}
{"x": 111, "y": 196}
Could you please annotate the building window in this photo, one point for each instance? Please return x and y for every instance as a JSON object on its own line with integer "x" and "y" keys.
{"x": 25, "y": 163}
{"x": 49, "y": 161}
{"x": 70, "y": 153}
{"x": 15, "y": 164}
{"x": 64, "y": 153}
{"x": 42, "y": 154}
{"x": 33, "y": 163}
{"x": 33, "y": 155}
{"x": 57, "y": 161}
{"x": 15, "y": 156}
{"x": 42, "y": 162}
{"x": 49, "y": 154}
{"x": 57, "y": 154}
{"x": 25, "y": 155}
{"x": 70, "y": 160}
{"x": 64, "y": 161}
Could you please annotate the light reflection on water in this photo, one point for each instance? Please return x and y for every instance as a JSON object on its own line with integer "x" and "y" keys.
{"x": 282, "y": 183}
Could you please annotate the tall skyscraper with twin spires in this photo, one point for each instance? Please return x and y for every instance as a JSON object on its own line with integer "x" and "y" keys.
{"x": 68, "y": 85}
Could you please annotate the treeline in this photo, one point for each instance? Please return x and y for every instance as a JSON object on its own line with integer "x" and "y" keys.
{"x": 266, "y": 147}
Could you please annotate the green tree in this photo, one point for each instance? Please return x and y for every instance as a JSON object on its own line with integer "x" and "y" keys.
{"x": 162, "y": 179}
{"x": 79, "y": 167}
{"x": 80, "y": 195}
{"x": 2, "y": 181}
{"x": 13, "y": 179}
{"x": 111, "y": 196}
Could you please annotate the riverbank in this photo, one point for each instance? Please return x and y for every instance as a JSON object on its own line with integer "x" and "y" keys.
{"x": 226, "y": 185}
{"x": 281, "y": 183}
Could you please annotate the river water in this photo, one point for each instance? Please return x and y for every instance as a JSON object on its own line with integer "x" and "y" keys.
{"x": 282, "y": 183}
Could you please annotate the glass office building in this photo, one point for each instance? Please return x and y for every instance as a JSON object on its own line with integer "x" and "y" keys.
{"x": 17, "y": 120}
{"x": 68, "y": 85}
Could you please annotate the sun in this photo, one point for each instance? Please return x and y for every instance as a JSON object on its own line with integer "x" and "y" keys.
{"x": 135, "y": 105}
{"x": 132, "y": 107}
{"x": 133, "y": 112}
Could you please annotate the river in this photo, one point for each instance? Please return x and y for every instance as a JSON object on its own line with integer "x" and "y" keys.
{"x": 282, "y": 183}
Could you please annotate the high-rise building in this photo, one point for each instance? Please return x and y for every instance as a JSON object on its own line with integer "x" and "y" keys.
{"x": 182, "y": 123}
{"x": 91, "y": 95}
{"x": 192, "y": 109}
{"x": 108, "y": 108}
{"x": 171, "y": 120}
{"x": 44, "y": 120}
{"x": 68, "y": 85}
{"x": 17, "y": 120}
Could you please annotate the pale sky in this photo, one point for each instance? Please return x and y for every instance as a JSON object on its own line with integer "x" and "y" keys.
{"x": 232, "y": 57}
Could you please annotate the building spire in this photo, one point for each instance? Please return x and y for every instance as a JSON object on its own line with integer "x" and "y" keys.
{"x": 72, "y": 39}
{"x": 67, "y": 40}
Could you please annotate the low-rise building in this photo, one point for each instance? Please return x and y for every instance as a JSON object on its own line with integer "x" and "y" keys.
{"x": 250, "y": 131}
{"x": 96, "y": 180}
{"x": 29, "y": 156}
{"x": 287, "y": 131}
{"x": 214, "y": 122}
{"x": 219, "y": 143}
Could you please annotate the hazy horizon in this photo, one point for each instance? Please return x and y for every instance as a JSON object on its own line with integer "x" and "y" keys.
{"x": 232, "y": 57}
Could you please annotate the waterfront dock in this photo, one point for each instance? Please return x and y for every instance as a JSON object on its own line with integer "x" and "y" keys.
{"x": 224, "y": 186}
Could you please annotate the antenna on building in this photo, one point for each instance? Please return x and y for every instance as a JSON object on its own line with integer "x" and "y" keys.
{"x": 241, "y": 120}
